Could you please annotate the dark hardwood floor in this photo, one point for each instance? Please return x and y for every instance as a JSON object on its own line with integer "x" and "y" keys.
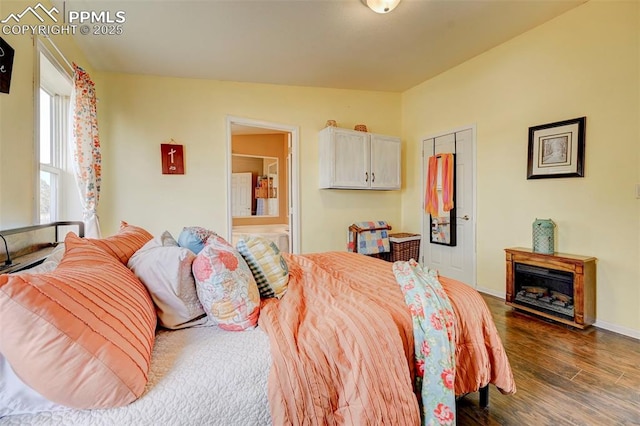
{"x": 564, "y": 376}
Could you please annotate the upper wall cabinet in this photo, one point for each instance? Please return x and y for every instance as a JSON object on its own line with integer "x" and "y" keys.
{"x": 358, "y": 160}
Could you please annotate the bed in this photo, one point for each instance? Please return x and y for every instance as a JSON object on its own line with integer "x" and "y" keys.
{"x": 337, "y": 348}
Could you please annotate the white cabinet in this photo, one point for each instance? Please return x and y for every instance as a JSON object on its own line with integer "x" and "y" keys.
{"x": 358, "y": 160}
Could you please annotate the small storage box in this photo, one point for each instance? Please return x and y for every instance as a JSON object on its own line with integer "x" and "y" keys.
{"x": 404, "y": 246}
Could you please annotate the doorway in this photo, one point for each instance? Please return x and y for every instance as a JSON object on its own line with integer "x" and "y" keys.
{"x": 457, "y": 261}
{"x": 279, "y": 184}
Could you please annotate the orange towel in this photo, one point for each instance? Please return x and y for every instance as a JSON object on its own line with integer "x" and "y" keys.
{"x": 448, "y": 163}
{"x": 431, "y": 195}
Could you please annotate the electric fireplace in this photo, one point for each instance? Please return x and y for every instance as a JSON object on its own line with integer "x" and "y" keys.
{"x": 545, "y": 289}
{"x": 558, "y": 286}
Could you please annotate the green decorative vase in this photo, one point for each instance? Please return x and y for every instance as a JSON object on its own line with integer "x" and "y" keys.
{"x": 543, "y": 236}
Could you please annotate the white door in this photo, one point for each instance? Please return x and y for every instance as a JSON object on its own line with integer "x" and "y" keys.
{"x": 459, "y": 261}
{"x": 290, "y": 183}
{"x": 385, "y": 162}
{"x": 240, "y": 194}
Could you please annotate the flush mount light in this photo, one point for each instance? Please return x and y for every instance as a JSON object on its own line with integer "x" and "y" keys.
{"x": 381, "y": 6}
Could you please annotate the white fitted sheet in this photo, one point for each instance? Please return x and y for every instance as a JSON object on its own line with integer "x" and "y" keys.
{"x": 279, "y": 234}
{"x": 198, "y": 376}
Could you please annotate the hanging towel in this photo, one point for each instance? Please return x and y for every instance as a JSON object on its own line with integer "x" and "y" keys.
{"x": 372, "y": 237}
{"x": 448, "y": 163}
{"x": 431, "y": 195}
{"x": 446, "y": 177}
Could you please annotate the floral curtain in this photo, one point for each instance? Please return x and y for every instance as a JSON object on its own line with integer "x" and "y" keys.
{"x": 85, "y": 145}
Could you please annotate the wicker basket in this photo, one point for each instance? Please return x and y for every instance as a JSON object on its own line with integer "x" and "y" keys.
{"x": 404, "y": 246}
{"x": 383, "y": 256}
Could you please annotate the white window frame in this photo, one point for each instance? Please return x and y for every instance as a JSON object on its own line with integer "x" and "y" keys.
{"x": 59, "y": 89}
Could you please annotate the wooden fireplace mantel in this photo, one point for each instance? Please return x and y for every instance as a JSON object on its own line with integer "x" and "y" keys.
{"x": 583, "y": 269}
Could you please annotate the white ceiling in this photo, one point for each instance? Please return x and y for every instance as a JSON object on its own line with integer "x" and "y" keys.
{"x": 322, "y": 43}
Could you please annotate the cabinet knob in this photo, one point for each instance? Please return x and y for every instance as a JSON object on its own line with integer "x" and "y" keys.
{"x": 373, "y": 177}
{"x": 366, "y": 176}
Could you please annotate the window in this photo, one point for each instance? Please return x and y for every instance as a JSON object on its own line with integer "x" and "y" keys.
{"x": 55, "y": 188}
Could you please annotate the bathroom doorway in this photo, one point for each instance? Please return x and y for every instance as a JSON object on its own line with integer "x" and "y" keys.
{"x": 263, "y": 182}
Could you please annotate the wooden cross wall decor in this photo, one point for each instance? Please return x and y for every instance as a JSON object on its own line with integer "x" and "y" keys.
{"x": 172, "y": 159}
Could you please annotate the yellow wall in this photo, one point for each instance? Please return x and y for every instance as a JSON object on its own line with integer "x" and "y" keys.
{"x": 140, "y": 112}
{"x": 17, "y": 144}
{"x": 583, "y": 63}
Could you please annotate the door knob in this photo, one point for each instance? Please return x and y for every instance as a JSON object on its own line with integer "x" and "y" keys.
{"x": 465, "y": 217}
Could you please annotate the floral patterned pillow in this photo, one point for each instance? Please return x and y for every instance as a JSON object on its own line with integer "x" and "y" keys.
{"x": 225, "y": 286}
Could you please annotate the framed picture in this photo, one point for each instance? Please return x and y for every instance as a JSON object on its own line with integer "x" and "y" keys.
{"x": 556, "y": 150}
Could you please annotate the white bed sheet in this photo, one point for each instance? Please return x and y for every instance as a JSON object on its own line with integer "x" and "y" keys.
{"x": 279, "y": 234}
{"x": 198, "y": 376}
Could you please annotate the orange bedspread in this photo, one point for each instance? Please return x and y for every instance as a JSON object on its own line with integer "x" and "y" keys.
{"x": 342, "y": 351}
{"x": 342, "y": 344}
{"x": 480, "y": 356}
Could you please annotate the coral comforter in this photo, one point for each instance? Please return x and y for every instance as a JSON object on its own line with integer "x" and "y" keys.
{"x": 342, "y": 344}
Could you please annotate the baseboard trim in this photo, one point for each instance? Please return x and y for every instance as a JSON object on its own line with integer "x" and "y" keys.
{"x": 635, "y": 334}
{"x": 618, "y": 329}
{"x": 498, "y": 294}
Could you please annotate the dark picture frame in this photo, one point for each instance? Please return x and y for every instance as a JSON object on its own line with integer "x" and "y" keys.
{"x": 6, "y": 65}
{"x": 556, "y": 150}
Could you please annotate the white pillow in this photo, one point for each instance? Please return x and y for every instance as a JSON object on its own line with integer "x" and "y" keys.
{"x": 167, "y": 239}
{"x": 49, "y": 264}
{"x": 165, "y": 270}
{"x": 16, "y": 397}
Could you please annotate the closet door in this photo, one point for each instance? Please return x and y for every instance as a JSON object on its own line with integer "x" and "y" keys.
{"x": 459, "y": 261}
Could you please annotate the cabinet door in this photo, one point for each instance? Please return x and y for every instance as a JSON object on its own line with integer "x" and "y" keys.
{"x": 385, "y": 162}
{"x": 350, "y": 159}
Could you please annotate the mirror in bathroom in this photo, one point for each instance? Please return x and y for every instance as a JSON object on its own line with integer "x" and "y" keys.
{"x": 254, "y": 186}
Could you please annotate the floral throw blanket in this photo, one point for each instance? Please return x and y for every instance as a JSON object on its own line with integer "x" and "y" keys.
{"x": 434, "y": 339}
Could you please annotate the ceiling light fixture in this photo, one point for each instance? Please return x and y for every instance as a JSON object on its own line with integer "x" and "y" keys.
{"x": 381, "y": 6}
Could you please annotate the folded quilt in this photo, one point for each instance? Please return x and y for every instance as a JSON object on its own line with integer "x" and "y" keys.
{"x": 434, "y": 341}
{"x": 369, "y": 237}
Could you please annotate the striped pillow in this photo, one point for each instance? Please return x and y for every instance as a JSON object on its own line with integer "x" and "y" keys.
{"x": 81, "y": 335}
{"x": 123, "y": 244}
{"x": 267, "y": 265}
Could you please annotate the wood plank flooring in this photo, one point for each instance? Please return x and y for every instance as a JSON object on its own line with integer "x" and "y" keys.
{"x": 564, "y": 376}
